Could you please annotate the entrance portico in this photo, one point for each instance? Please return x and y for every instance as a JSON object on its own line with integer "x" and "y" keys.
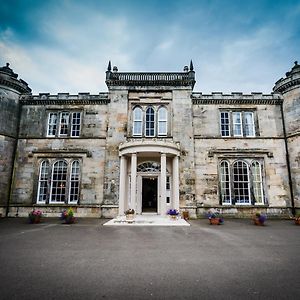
{"x": 149, "y": 176}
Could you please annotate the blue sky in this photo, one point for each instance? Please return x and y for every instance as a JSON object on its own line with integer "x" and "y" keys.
{"x": 65, "y": 46}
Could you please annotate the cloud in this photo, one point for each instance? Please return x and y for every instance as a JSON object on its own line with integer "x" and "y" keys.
{"x": 71, "y": 44}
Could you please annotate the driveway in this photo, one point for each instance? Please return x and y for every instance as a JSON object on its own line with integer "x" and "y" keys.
{"x": 86, "y": 260}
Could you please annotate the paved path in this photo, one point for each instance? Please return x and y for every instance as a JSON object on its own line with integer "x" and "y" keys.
{"x": 89, "y": 261}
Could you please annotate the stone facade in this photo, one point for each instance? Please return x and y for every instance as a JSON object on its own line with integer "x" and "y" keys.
{"x": 234, "y": 153}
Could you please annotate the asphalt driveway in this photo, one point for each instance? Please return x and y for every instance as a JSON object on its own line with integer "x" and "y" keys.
{"x": 89, "y": 261}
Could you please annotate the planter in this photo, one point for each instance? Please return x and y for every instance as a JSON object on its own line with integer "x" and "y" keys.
{"x": 35, "y": 219}
{"x": 69, "y": 220}
{"x": 297, "y": 221}
{"x": 185, "y": 215}
{"x": 258, "y": 222}
{"x": 174, "y": 217}
{"x": 215, "y": 221}
{"x": 129, "y": 217}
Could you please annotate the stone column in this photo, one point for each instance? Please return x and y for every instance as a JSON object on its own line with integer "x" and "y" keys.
{"x": 175, "y": 193}
{"x": 122, "y": 188}
{"x": 163, "y": 174}
{"x": 133, "y": 181}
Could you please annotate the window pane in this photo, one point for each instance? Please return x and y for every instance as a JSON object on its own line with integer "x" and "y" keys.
{"x": 237, "y": 124}
{"x": 74, "y": 182}
{"x": 241, "y": 186}
{"x": 257, "y": 182}
{"x": 52, "y": 124}
{"x": 43, "y": 182}
{"x": 59, "y": 182}
{"x": 225, "y": 183}
{"x": 249, "y": 124}
{"x": 162, "y": 121}
{"x": 137, "y": 121}
{"x": 76, "y": 123}
{"x": 64, "y": 123}
{"x": 150, "y": 122}
{"x": 225, "y": 124}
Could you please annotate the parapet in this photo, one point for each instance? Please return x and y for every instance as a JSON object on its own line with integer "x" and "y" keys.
{"x": 291, "y": 80}
{"x": 64, "y": 98}
{"x": 10, "y": 79}
{"x": 236, "y": 98}
{"x": 153, "y": 79}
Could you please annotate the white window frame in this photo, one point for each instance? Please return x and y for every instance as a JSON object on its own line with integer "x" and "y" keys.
{"x": 150, "y": 122}
{"x": 50, "y": 124}
{"x": 235, "y": 124}
{"x": 52, "y": 181}
{"x": 222, "y": 175}
{"x": 241, "y": 181}
{"x": 135, "y": 120}
{"x": 250, "y": 126}
{"x": 74, "y": 180}
{"x": 223, "y": 124}
{"x": 257, "y": 182}
{"x": 75, "y": 128}
{"x": 61, "y": 115}
{"x": 162, "y": 121}
{"x": 43, "y": 178}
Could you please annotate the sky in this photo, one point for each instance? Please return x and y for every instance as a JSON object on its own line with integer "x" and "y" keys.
{"x": 65, "y": 45}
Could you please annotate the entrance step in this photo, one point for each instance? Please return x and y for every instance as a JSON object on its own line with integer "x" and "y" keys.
{"x": 147, "y": 220}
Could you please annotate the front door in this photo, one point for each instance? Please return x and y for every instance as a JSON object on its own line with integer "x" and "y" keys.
{"x": 149, "y": 194}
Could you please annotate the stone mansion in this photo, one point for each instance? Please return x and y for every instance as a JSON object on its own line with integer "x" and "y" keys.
{"x": 150, "y": 143}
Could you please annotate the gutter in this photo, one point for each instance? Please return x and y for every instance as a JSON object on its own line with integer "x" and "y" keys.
{"x": 14, "y": 159}
{"x": 288, "y": 161}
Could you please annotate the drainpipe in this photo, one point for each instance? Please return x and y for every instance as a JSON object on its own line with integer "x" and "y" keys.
{"x": 288, "y": 160}
{"x": 14, "y": 159}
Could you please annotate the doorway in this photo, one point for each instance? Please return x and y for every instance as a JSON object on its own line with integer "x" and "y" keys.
{"x": 149, "y": 194}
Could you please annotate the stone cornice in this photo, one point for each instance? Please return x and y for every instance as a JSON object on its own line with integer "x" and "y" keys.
{"x": 286, "y": 84}
{"x": 236, "y": 98}
{"x": 18, "y": 85}
{"x": 65, "y": 98}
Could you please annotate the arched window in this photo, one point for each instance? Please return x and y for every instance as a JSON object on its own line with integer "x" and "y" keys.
{"x": 137, "y": 121}
{"x": 257, "y": 182}
{"x": 58, "y": 182}
{"x": 241, "y": 186}
{"x": 149, "y": 166}
{"x": 162, "y": 121}
{"x": 225, "y": 182}
{"x": 43, "y": 182}
{"x": 150, "y": 122}
{"x": 74, "y": 182}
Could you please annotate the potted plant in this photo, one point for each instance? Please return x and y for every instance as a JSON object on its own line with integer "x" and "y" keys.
{"x": 173, "y": 213}
{"x": 297, "y": 219}
{"x": 35, "y": 216}
{"x": 215, "y": 218}
{"x": 68, "y": 216}
{"x": 259, "y": 219}
{"x": 129, "y": 213}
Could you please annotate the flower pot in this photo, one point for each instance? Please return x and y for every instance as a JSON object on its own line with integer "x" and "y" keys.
{"x": 258, "y": 222}
{"x": 173, "y": 217}
{"x": 35, "y": 219}
{"x": 69, "y": 220}
{"x": 129, "y": 217}
{"x": 185, "y": 215}
{"x": 215, "y": 221}
{"x": 297, "y": 221}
